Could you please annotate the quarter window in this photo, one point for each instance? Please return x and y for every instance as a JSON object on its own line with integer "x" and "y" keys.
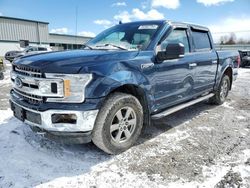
{"x": 201, "y": 40}
{"x": 177, "y": 36}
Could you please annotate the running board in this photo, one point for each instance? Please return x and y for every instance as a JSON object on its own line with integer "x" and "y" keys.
{"x": 181, "y": 106}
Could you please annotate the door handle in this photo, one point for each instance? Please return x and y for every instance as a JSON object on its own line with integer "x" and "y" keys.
{"x": 191, "y": 65}
{"x": 214, "y": 62}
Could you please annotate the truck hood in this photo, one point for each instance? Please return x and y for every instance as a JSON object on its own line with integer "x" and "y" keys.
{"x": 71, "y": 62}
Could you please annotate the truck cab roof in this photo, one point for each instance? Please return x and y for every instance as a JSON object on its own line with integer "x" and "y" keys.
{"x": 172, "y": 23}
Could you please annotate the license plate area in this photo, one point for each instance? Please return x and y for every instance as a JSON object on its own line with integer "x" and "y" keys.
{"x": 23, "y": 114}
{"x": 19, "y": 113}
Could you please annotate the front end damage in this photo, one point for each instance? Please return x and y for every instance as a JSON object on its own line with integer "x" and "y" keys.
{"x": 32, "y": 88}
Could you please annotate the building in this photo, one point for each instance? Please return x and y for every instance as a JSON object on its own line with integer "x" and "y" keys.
{"x": 15, "y": 33}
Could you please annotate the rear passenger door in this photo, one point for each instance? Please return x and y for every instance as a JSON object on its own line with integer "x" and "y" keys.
{"x": 205, "y": 58}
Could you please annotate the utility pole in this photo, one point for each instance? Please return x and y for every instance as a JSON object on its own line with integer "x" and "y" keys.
{"x": 76, "y": 24}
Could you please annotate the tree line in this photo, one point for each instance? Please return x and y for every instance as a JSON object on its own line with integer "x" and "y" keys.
{"x": 232, "y": 39}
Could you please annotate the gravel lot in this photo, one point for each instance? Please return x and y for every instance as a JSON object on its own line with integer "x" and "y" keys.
{"x": 201, "y": 146}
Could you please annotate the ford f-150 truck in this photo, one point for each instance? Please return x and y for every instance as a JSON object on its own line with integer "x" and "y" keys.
{"x": 121, "y": 80}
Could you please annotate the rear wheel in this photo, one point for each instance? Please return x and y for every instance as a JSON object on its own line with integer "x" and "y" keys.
{"x": 118, "y": 124}
{"x": 222, "y": 92}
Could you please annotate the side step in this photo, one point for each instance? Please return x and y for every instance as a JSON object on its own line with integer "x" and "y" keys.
{"x": 181, "y": 106}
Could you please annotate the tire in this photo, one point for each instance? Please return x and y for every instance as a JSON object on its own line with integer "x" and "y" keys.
{"x": 118, "y": 124}
{"x": 222, "y": 92}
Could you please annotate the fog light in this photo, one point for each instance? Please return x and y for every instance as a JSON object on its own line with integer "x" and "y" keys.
{"x": 64, "y": 118}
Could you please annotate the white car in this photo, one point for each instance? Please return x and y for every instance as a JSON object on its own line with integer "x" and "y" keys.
{"x": 11, "y": 55}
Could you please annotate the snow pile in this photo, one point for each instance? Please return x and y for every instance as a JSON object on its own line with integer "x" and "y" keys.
{"x": 176, "y": 146}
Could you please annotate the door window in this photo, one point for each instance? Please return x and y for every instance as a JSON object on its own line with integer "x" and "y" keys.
{"x": 201, "y": 40}
{"x": 177, "y": 36}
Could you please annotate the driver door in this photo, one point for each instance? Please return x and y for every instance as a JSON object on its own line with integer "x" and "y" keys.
{"x": 175, "y": 77}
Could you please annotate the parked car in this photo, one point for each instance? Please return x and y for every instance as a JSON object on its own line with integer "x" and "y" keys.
{"x": 245, "y": 58}
{"x": 11, "y": 55}
{"x": 123, "y": 78}
{"x": 1, "y": 69}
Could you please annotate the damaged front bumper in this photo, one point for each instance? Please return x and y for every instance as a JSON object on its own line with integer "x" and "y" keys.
{"x": 67, "y": 126}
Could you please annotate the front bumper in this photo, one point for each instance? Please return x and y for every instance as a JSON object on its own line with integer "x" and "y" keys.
{"x": 245, "y": 61}
{"x": 42, "y": 121}
{"x": 64, "y": 137}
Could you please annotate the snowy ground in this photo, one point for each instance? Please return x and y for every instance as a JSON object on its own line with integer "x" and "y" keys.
{"x": 202, "y": 146}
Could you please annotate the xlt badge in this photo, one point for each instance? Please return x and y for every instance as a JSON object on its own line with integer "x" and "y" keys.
{"x": 147, "y": 65}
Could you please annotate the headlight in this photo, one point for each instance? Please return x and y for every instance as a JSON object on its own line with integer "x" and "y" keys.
{"x": 73, "y": 87}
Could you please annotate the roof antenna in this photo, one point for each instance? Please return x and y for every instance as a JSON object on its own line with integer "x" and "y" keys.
{"x": 120, "y": 22}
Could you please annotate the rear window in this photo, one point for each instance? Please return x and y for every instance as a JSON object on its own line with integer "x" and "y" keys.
{"x": 201, "y": 40}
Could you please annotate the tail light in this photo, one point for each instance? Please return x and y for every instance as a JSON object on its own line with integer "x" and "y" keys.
{"x": 238, "y": 60}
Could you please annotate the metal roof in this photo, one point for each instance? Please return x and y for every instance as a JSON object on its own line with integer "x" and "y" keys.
{"x": 21, "y": 19}
{"x": 66, "y": 35}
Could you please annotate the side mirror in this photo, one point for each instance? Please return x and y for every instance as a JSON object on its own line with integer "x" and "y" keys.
{"x": 173, "y": 51}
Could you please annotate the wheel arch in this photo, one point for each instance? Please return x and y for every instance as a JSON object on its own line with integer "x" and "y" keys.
{"x": 229, "y": 72}
{"x": 140, "y": 94}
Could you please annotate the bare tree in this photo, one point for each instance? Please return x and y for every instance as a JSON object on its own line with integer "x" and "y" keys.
{"x": 232, "y": 39}
{"x": 224, "y": 39}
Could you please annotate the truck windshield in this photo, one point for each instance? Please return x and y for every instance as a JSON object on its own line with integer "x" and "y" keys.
{"x": 124, "y": 37}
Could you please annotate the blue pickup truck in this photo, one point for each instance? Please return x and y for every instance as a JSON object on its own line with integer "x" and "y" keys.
{"x": 121, "y": 80}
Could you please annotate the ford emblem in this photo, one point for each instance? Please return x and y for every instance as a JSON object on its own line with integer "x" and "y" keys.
{"x": 18, "y": 82}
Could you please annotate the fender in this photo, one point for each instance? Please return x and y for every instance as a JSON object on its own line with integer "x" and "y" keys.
{"x": 101, "y": 87}
{"x": 222, "y": 67}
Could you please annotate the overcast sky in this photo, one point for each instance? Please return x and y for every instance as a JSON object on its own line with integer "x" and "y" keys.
{"x": 96, "y": 15}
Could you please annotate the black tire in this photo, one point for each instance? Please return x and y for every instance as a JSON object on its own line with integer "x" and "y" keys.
{"x": 113, "y": 113}
{"x": 222, "y": 91}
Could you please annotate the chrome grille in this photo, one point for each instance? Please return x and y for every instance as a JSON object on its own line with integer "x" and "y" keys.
{"x": 29, "y": 98}
{"x": 27, "y": 71}
{"x": 31, "y": 87}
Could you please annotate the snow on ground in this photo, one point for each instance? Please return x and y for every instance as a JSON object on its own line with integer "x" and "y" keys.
{"x": 201, "y": 146}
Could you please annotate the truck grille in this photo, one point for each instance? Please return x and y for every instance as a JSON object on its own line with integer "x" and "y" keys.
{"x": 27, "y": 71}
{"x": 29, "y": 98}
{"x": 31, "y": 86}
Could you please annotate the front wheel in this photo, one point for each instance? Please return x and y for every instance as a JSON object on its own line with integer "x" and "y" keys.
{"x": 222, "y": 92}
{"x": 118, "y": 124}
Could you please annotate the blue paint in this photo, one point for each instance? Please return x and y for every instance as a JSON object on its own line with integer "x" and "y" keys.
{"x": 164, "y": 83}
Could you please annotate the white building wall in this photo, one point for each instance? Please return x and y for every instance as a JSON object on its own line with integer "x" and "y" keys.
{"x": 16, "y": 29}
{"x": 67, "y": 39}
{"x": 12, "y": 30}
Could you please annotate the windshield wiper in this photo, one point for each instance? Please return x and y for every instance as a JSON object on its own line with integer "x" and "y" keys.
{"x": 113, "y": 45}
{"x": 85, "y": 45}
